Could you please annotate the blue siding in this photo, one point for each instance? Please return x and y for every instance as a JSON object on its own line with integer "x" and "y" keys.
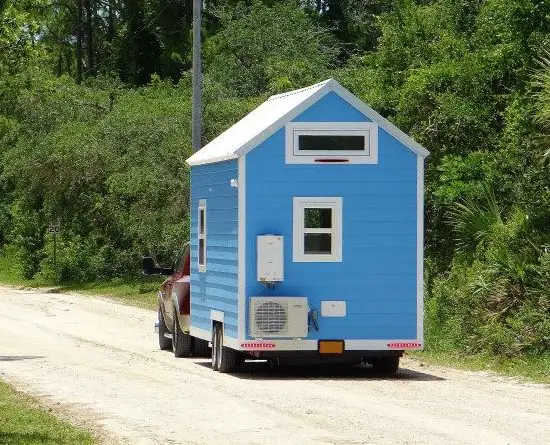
{"x": 217, "y": 287}
{"x": 377, "y": 277}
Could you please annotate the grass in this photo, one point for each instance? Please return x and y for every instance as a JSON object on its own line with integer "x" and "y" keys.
{"x": 535, "y": 369}
{"x": 135, "y": 291}
{"x": 24, "y": 422}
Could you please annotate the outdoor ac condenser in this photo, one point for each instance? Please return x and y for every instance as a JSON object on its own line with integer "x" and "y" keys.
{"x": 278, "y": 317}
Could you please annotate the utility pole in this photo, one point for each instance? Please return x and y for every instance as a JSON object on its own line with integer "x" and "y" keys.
{"x": 196, "y": 115}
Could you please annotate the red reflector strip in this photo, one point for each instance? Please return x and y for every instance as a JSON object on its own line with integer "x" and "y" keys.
{"x": 331, "y": 160}
{"x": 257, "y": 345}
{"x": 409, "y": 345}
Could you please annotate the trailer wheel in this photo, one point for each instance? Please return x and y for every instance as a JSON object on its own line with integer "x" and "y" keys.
{"x": 215, "y": 351}
{"x": 386, "y": 365}
{"x": 227, "y": 357}
{"x": 181, "y": 342}
{"x": 165, "y": 344}
{"x": 200, "y": 347}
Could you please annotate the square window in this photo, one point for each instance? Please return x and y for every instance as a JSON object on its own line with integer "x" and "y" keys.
{"x": 317, "y": 229}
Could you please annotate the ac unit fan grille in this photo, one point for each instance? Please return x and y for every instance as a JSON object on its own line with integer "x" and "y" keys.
{"x": 271, "y": 317}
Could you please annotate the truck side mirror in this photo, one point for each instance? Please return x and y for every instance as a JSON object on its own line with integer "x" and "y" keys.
{"x": 148, "y": 266}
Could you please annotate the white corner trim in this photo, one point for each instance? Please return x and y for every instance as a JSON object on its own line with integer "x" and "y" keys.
{"x": 216, "y": 315}
{"x": 368, "y": 130}
{"x": 298, "y": 230}
{"x": 241, "y": 318}
{"x": 420, "y": 249}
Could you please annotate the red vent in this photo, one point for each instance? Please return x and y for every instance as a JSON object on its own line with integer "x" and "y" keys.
{"x": 331, "y": 160}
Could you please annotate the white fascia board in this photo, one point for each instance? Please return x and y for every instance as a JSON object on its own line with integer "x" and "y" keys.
{"x": 378, "y": 118}
{"x": 212, "y": 160}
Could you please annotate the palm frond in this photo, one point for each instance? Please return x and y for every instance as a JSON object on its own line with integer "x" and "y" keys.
{"x": 472, "y": 221}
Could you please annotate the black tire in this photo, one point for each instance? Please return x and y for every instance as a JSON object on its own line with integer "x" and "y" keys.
{"x": 200, "y": 347}
{"x": 386, "y": 365}
{"x": 215, "y": 340}
{"x": 165, "y": 344}
{"x": 181, "y": 342}
{"x": 227, "y": 357}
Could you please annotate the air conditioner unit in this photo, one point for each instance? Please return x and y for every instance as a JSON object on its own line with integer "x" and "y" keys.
{"x": 278, "y": 317}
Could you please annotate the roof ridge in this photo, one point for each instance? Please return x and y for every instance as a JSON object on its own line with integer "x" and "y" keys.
{"x": 300, "y": 90}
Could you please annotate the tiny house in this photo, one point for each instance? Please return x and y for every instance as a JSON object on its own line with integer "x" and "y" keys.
{"x": 307, "y": 234}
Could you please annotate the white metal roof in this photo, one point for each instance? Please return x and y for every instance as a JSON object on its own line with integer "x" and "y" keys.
{"x": 275, "y": 112}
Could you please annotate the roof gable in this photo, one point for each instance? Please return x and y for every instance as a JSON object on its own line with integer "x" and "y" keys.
{"x": 280, "y": 109}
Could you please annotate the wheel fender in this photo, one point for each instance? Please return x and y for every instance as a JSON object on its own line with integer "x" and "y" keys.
{"x": 181, "y": 293}
{"x": 161, "y": 306}
{"x": 183, "y": 319}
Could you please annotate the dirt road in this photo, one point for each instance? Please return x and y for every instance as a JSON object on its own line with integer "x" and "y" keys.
{"x": 100, "y": 361}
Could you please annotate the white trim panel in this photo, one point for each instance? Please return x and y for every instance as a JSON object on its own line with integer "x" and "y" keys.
{"x": 200, "y": 333}
{"x": 308, "y": 345}
{"x": 312, "y": 345}
{"x": 216, "y": 315}
{"x": 369, "y": 131}
{"x": 206, "y": 335}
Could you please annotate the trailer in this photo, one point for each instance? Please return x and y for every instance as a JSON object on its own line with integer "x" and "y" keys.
{"x": 307, "y": 235}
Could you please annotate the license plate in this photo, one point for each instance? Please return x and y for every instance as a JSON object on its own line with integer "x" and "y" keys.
{"x": 331, "y": 346}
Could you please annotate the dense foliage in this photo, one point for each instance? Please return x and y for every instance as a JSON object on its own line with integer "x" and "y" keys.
{"x": 95, "y": 129}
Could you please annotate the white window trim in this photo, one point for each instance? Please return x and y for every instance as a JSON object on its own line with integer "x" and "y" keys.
{"x": 367, "y": 129}
{"x": 202, "y": 206}
{"x": 299, "y": 204}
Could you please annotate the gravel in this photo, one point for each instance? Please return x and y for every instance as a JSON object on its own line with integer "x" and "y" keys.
{"x": 98, "y": 362}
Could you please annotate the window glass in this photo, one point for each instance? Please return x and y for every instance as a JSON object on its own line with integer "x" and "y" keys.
{"x": 201, "y": 221}
{"x": 317, "y": 218}
{"x": 201, "y": 251}
{"x": 202, "y": 235}
{"x": 331, "y": 143}
{"x": 318, "y": 243}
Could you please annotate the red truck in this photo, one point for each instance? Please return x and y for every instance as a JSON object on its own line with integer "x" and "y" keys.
{"x": 174, "y": 307}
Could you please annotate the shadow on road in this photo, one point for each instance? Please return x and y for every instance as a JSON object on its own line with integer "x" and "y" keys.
{"x": 14, "y": 358}
{"x": 260, "y": 370}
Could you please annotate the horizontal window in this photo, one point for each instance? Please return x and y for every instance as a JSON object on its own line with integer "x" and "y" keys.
{"x": 331, "y": 142}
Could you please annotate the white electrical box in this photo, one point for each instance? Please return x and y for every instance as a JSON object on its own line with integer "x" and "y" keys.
{"x": 333, "y": 308}
{"x": 270, "y": 267}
